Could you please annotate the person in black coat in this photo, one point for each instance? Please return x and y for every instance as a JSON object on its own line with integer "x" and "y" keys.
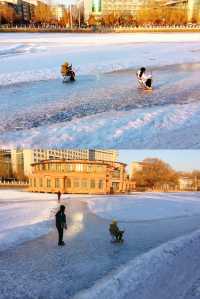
{"x": 59, "y": 195}
{"x": 61, "y": 224}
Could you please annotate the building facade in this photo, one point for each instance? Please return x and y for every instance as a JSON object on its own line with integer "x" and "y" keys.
{"x": 23, "y": 158}
{"x": 80, "y": 177}
{"x": 5, "y": 164}
{"x": 58, "y": 11}
{"x": 130, "y": 7}
{"x": 24, "y": 9}
{"x": 107, "y": 7}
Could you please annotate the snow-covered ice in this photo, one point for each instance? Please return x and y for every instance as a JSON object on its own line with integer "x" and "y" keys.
{"x": 145, "y": 206}
{"x": 24, "y": 216}
{"x": 168, "y": 271}
{"x": 35, "y": 104}
{"x": 34, "y": 268}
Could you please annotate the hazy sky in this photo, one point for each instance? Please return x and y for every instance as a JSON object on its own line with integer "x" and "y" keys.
{"x": 185, "y": 160}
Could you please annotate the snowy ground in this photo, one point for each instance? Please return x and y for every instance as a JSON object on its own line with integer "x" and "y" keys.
{"x": 37, "y": 268}
{"x": 35, "y": 103}
{"x": 147, "y": 206}
{"x": 24, "y": 216}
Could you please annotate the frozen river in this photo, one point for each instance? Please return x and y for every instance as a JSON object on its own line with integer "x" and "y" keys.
{"x": 34, "y": 103}
{"x": 39, "y": 269}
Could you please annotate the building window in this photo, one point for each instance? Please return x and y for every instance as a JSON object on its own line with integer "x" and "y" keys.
{"x": 68, "y": 183}
{"x": 92, "y": 184}
{"x": 48, "y": 183}
{"x": 58, "y": 168}
{"x": 57, "y": 183}
{"x": 100, "y": 184}
{"x": 76, "y": 183}
{"x": 79, "y": 167}
{"x": 69, "y": 167}
{"x": 84, "y": 184}
{"x": 41, "y": 182}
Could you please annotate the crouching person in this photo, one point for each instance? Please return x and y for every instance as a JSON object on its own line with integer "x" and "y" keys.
{"x": 61, "y": 224}
{"x": 115, "y": 232}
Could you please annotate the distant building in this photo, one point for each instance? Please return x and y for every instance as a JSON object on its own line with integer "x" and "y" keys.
{"x": 107, "y": 7}
{"x": 23, "y": 158}
{"x": 58, "y": 11}
{"x": 186, "y": 184}
{"x": 130, "y": 7}
{"x": 80, "y": 177}
{"x": 24, "y": 9}
{"x": 5, "y": 164}
{"x": 192, "y": 8}
{"x": 135, "y": 167}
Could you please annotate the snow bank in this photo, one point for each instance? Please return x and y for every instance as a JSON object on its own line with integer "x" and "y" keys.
{"x": 142, "y": 207}
{"x": 20, "y": 49}
{"x": 169, "y": 271}
{"x": 158, "y": 127}
{"x": 24, "y": 216}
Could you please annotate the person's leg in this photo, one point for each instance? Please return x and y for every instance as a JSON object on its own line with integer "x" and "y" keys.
{"x": 60, "y": 235}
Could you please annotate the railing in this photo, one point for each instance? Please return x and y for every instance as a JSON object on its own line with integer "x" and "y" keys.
{"x": 14, "y": 183}
{"x": 140, "y": 28}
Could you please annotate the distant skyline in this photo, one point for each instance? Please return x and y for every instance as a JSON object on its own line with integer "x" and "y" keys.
{"x": 181, "y": 160}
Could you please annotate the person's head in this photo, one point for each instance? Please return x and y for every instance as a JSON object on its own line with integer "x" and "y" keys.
{"x": 62, "y": 208}
{"x": 142, "y": 71}
{"x": 114, "y": 222}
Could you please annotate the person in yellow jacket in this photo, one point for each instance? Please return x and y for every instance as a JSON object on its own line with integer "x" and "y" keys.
{"x": 65, "y": 68}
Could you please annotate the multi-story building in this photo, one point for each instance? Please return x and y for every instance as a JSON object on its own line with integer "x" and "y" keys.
{"x": 192, "y": 8}
{"x": 135, "y": 167}
{"x": 23, "y": 158}
{"x": 24, "y": 9}
{"x": 58, "y": 11}
{"x": 107, "y": 7}
{"x": 5, "y": 164}
{"x": 187, "y": 183}
{"x": 130, "y": 7}
{"x": 80, "y": 177}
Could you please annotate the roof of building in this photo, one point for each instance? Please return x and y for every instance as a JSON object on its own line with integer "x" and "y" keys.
{"x": 100, "y": 162}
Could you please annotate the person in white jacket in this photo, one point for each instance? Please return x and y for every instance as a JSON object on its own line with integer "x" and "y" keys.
{"x": 144, "y": 78}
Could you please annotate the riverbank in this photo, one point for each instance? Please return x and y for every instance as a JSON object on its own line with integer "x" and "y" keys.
{"x": 38, "y": 268}
{"x": 175, "y": 29}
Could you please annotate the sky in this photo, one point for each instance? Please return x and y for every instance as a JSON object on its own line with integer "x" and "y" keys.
{"x": 181, "y": 160}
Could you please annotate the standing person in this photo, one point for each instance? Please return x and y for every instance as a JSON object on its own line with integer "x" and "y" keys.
{"x": 59, "y": 195}
{"x": 61, "y": 224}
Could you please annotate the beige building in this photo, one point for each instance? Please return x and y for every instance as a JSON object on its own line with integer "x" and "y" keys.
{"x": 58, "y": 11}
{"x": 135, "y": 167}
{"x": 23, "y": 158}
{"x": 130, "y": 7}
{"x": 80, "y": 177}
{"x": 5, "y": 164}
{"x": 187, "y": 184}
{"x": 107, "y": 7}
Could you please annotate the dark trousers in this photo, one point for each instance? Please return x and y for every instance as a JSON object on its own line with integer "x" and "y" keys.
{"x": 60, "y": 234}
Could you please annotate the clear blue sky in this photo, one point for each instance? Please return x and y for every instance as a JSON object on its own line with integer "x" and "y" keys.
{"x": 185, "y": 160}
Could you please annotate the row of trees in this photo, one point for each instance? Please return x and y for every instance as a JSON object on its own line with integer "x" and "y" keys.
{"x": 156, "y": 174}
{"x": 145, "y": 16}
{"x": 7, "y": 14}
{"x": 40, "y": 14}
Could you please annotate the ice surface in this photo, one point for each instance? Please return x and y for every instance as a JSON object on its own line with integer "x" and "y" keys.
{"x": 24, "y": 216}
{"x": 36, "y": 268}
{"x": 145, "y": 206}
{"x": 169, "y": 271}
{"x": 34, "y": 103}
